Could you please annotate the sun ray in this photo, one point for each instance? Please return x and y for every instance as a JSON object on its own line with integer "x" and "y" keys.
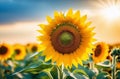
{"x": 109, "y": 9}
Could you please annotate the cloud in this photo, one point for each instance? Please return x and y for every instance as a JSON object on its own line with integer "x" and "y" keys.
{"x": 18, "y": 34}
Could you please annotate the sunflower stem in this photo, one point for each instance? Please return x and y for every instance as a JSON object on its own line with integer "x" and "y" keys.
{"x": 0, "y": 69}
{"x": 58, "y": 72}
{"x": 114, "y": 67}
{"x": 49, "y": 74}
{"x": 91, "y": 65}
{"x": 62, "y": 69}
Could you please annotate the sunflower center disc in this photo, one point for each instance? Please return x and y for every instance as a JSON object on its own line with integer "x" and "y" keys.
{"x": 98, "y": 50}
{"x": 65, "y": 39}
{"x": 108, "y": 57}
{"x": 34, "y": 49}
{"x": 17, "y": 51}
{"x": 3, "y": 50}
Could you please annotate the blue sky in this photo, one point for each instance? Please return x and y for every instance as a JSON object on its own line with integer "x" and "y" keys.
{"x": 30, "y": 10}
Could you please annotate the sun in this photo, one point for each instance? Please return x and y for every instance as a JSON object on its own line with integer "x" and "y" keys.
{"x": 110, "y": 9}
{"x": 111, "y": 12}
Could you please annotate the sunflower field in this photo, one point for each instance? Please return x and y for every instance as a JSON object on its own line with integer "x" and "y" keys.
{"x": 66, "y": 49}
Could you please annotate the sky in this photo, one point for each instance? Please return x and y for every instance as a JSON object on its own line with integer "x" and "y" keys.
{"x": 19, "y": 19}
{"x": 31, "y": 10}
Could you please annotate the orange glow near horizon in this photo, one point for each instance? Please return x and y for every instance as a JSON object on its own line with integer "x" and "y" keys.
{"x": 21, "y": 32}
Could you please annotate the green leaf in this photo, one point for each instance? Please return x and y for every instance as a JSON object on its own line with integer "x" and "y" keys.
{"x": 42, "y": 75}
{"x": 27, "y": 76}
{"x": 32, "y": 55}
{"x": 79, "y": 76}
{"x": 104, "y": 66}
{"x": 76, "y": 74}
{"x": 69, "y": 77}
{"x": 102, "y": 75}
{"x": 66, "y": 72}
{"x": 54, "y": 72}
{"x": 35, "y": 68}
{"x": 106, "y": 62}
{"x": 88, "y": 71}
{"x": 118, "y": 74}
{"x": 80, "y": 71}
{"x": 39, "y": 68}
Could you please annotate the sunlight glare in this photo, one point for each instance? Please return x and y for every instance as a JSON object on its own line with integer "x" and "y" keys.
{"x": 111, "y": 12}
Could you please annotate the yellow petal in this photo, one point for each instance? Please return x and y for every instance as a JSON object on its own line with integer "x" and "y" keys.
{"x": 41, "y": 31}
{"x": 49, "y": 19}
{"x": 75, "y": 63}
{"x": 69, "y": 13}
{"x": 42, "y": 26}
{"x": 83, "y": 19}
{"x": 62, "y": 17}
{"x": 48, "y": 53}
{"x": 59, "y": 61}
{"x": 56, "y": 14}
{"x": 42, "y": 47}
{"x": 77, "y": 14}
{"x": 55, "y": 57}
{"x": 66, "y": 59}
{"x": 44, "y": 38}
{"x": 87, "y": 24}
{"x": 80, "y": 62}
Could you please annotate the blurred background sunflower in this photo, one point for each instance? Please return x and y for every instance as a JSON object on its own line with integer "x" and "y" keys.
{"x": 118, "y": 62}
{"x": 109, "y": 57}
{"x": 100, "y": 52}
{"x": 6, "y": 51}
{"x": 33, "y": 47}
{"x": 118, "y": 65}
{"x": 67, "y": 39}
{"x": 19, "y": 51}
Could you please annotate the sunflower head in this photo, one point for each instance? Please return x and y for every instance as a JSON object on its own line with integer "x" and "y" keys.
{"x": 110, "y": 48}
{"x": 33, "y": 47}
{"x": 67, "y": 38}
{"x": 6, "y": 51}
{"x": 100, "y": 52}
{"x": 19, "y": 52}
{"x": 109, "y": 57}
{"x": 118, "y": 62}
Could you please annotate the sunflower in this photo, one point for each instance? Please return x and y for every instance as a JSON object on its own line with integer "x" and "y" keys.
{"x": 118, "y": 62}
{"x": 118, "y": 65}
{"x": 33, "y": 47}
{"x": 66, "y": 39}
{"x": 19, "y": 51}
{"x": 6, "y": 51}
{"x": 100, "y": 52}
{"x": 109, "y": 57}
